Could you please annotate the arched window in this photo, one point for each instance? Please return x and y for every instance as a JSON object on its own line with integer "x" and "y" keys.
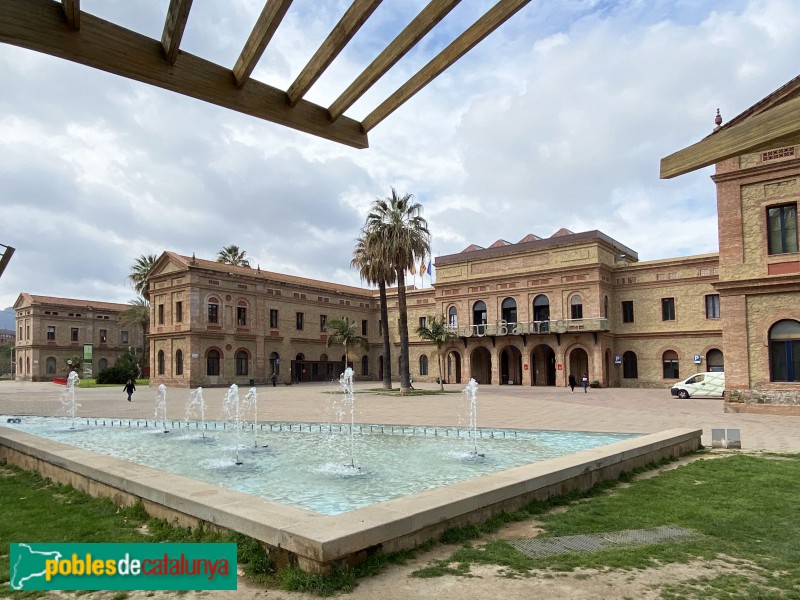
{"x": 630, "y": 365}
{"x": 241, "y": 362}
{"x": 541, "y": 313}
{"x": 179, "y": 362}
{"x": 605, "y": 306}
{"x": 576, "y": 307}
{"x": 241, "y": 313}
{"x": 365, "y": 365}
{"x": 715, "y": 361}
{"x": 509, "y": 310}
{"x": 479, "y": 317}
{"x": 102, "y": 364}
{"x": 784, "y": 351}
{"x": 212, "y": 363}
{"x": 50, "y": 365}
{"x": 452, "y": 316}
{"x": 161, "y": 368}
{"x": 670, "y": 360}
{"x": 423, "y": 365}
{"x": 213, "y": 310}
{"x": 274, "y": 363}
{"x": 323, "y": 358}
{"x": 28, "y": 364}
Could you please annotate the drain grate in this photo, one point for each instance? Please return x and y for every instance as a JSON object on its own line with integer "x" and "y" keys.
{"x": 598, "y": 541}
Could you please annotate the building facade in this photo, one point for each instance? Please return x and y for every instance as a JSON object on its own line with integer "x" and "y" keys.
{"x": 215, "y": 324}
{"x": 52, "y": 331}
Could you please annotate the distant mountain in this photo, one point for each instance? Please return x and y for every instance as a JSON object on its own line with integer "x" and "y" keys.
{"x": 7, "y": 318}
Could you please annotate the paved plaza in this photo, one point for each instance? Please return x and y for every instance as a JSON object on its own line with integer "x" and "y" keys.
{"x": 522, "y": 407}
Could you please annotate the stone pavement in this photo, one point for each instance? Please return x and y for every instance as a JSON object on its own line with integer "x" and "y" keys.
{"x": 612, "y": 409}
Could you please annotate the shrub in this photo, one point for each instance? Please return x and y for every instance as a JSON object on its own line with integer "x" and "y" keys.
{"x": 116, "y": 374}
{"x": 595, "y": 383}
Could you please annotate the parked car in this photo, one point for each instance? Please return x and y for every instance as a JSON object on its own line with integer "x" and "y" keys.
{"x": 700, "y": 385}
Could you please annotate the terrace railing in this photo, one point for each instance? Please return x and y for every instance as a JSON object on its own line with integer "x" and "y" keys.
{"x": 505, "y": 328}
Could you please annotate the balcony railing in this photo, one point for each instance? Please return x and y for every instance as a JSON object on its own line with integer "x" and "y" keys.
{"x": 502, "y": 328}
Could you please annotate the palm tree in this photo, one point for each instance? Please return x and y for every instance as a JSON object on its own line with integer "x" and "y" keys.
{"x": 139, "y": 272}
{"x": 374, "y": 269}
{"x": 138, "y": 315}
{"x": 397, "y": 227}
{"x": 343, "y": 331}
{"x": 231, "y": 255}
{"x": 437, "y": 331}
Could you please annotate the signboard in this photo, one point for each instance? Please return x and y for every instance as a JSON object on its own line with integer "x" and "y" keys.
{"x": 87, "y": 352}
{"x": 617, "y": 360}
{"x": 525, "y": 366}
{"x": 87, "y": 361}
{"x": 698, "y": 359}
{"x": 560, "y": 366}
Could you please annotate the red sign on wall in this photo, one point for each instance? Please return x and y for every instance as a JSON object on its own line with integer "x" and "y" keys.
{"x": 559, "y": 366}
{"x": 525, "y": 366}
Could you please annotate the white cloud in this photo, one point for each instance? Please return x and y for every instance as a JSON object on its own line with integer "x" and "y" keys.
{"x": 558, "y": 119}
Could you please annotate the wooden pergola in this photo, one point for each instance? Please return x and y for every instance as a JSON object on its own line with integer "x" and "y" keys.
{"x": 771, "y": 123}
{"x": 61, "y": 29}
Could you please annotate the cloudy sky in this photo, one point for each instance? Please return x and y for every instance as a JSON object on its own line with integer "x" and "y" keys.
{"x": 558, "y": 119}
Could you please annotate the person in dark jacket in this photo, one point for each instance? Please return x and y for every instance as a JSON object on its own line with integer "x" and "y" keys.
{"x": 130, "y": 387}
{"x": 572, "y": 383}
{"x": 585, "y": 383}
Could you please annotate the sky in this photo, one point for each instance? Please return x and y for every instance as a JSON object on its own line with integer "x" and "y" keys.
{"x": 557, "y": 119}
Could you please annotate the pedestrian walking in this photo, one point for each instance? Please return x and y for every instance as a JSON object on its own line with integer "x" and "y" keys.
{"x": 585, "y": 383}
{"x": 130, "y": 387}
{"x": 274, "y": 379}
{"x": 572, "y": 383}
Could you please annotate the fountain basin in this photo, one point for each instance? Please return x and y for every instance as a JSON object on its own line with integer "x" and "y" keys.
{"x": 316, "y": 542}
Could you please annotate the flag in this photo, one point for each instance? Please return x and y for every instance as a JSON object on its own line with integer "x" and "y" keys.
{"x": 422, "y": 267}
{"x": 430, "y": 266}
{"x": 413, "y": 268}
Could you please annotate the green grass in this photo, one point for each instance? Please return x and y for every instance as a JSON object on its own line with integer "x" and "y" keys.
{"x": 744, "y": 507}
{"x": 35, "y": 509}
{"x": 92, "y": 383}
{"x": 415, "y": 392}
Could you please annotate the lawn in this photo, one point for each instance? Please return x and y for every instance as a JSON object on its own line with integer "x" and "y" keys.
{"x": 744, "y": 507}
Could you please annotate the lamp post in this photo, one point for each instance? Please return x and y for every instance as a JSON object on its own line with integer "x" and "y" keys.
{"x": 69, "y": 366}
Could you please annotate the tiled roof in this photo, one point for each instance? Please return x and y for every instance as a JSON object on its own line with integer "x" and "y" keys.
{"x": 529, "y": 238}
{"x": 500, "y": 244}
{"x": 213, "y": 265}
{"x": 472, "y": 248}
{"x": 73, "y": 302}
{"x": 562, "y": 232}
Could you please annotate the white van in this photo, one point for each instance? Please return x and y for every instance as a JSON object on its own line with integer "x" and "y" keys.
{"x": 700, "y": 385}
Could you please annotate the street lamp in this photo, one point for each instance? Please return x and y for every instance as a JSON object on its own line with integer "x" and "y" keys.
{"x": 69, "y": 366}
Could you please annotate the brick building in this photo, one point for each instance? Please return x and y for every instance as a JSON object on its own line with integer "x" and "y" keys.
{"x": 51, "y": 331}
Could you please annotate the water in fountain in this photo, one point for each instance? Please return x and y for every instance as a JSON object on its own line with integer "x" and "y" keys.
{"x": 161, "y": 406}
{"x": 68, "y": 399}
{"x": 346, "y": 383}
{"x": 233, "y": 413}
{"x": 251, "y": 405}
{"x": 197, "y": 408}
{"x": 470, "y": 394}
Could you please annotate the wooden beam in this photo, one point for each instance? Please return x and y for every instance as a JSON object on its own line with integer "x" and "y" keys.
{"x": 494, "y": 17}
{"x": 342, "y": 33}
{"x": 434, "y": 12}
{"x": 39, "y": 25}
{"x": 773, "y": 128}
{"x": 264, "y": 29}
{"x": 174, "y": 26}
{"x": 72, "y": 11}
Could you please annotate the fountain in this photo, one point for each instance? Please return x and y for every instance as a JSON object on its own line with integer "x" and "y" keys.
{"x": 161, "y": 406}
{"x": 346, "y": 383}
{"x": 470, "y": 394}
{"x": 233, "y": 412}
{"x": 251, "y": 402}
{"x": 299, "y": 505}
{"x": 68, "y": 400}
{"x": 195, "y": 408}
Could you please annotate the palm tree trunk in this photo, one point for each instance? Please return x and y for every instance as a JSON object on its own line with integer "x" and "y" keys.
{"x": 439, "y": 360}
{"x": 405, "y": 384}
{"x": 387, "y": 346}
